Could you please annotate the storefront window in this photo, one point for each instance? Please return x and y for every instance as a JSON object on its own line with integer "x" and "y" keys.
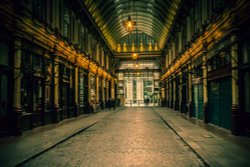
{"x": 26, "y": 83}
{"x": 64, "y": 85}
{"x": 37, "y": 62}
{"x": 48, "y": 71}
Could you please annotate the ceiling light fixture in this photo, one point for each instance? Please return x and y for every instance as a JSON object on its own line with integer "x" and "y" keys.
{"x": 129, "y": 24}
{"x": 135, "y": 56}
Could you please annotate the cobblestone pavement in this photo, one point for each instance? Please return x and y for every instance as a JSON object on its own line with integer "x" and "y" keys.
{"x": 131, "y": 137}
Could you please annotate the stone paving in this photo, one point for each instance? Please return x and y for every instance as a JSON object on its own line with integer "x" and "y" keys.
{"x": 131, "y": 137}
{"x": 217, "y": 150}
{"x": 15, "y": 150}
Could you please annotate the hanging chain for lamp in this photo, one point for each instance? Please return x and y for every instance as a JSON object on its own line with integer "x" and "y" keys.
{"x": 129, "y": 24}
{"x": 134, "y": 54}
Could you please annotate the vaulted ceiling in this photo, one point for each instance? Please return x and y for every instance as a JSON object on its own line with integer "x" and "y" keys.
{"x": 154, "y": 19}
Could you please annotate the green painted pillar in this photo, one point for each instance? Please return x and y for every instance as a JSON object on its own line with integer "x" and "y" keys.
{"x": 205, "y": 85}
{"x": 236, "y": 116}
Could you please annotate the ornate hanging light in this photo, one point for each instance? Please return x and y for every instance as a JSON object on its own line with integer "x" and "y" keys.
{"x": 129, "y": 24}
{"x": 135, "y": 56}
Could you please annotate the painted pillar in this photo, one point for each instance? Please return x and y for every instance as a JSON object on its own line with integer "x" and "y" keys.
{"x": 76, "y": 95}
{"x": 205, "y": 86}
{"x": 236, "y": 117}
{"x": 15, "y": 128}
{"x": 113, "y": 89}
{"x": 190, "y": 102}
{"x": 56, "y": 89}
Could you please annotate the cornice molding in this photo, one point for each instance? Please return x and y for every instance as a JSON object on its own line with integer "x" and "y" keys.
{"x": 39, "y": 35}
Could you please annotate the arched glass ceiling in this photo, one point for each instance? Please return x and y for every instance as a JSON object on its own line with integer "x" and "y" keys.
{"x": 153, "y": 17}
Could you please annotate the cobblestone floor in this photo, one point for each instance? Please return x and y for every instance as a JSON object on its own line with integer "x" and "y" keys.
{"x": 131, "y": 137}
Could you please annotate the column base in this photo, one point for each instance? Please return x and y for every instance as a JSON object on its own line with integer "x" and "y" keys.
{"x": 171, "y": 104}
{"x": 56, "y": 114}
{"x": 76, "y": 110}
{"x": 190, "y": 105}
{"x": 176, "y": 105}
{"x": 181, "y": 107}
{"x": 206, "y": 114}
{"x": 15, "y": 122}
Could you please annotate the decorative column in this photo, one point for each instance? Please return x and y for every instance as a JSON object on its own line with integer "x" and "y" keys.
{"x": 112, "y": 88}
{"x": 236, "y": 116}
{"x": 163, "y": 93}
{"x": 15, "y": 128}
{"x": 76, "y": 95}
{"x": 55, "y": 82}
{"x": 190, "y": 102}
{"x": 89, "y": 87}
{"x": 205, "y": 87}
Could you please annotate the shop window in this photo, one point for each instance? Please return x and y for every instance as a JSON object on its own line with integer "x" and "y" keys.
{"x": 64, "y": 101}
{"x": 48, "y": 86}
{"x": 134, "y": 90}
{"x": 37, "y": 62}
{"x": 4, "y": 54}
{"x": 48, "y": 97}
{"x": 37, "y": 94}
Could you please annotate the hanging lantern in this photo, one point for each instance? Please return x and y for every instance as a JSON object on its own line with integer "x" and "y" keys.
{"x": 135, "y": 55}
{"x": 129, "y": 24}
